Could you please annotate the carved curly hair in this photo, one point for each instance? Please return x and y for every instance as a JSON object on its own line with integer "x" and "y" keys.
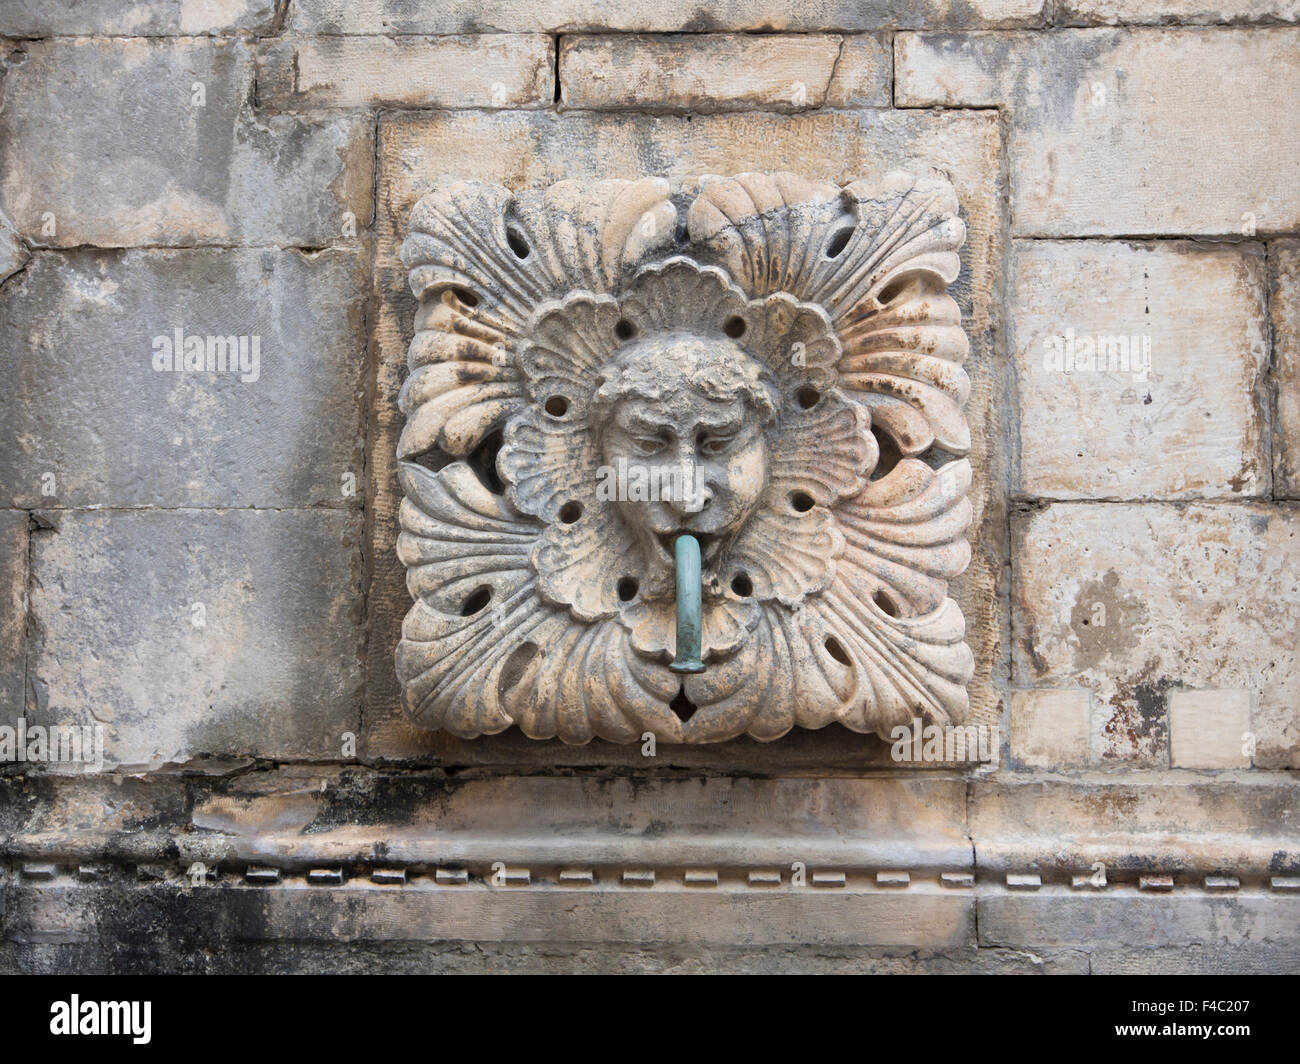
{"x": 664, "y": 365}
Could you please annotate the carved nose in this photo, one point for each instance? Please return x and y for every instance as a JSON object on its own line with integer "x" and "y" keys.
{"x": 692, "y": 494}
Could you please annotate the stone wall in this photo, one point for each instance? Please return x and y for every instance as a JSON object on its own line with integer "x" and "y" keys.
{"x": 203, "y": 565}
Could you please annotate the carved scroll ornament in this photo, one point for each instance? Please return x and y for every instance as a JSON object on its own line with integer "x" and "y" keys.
{"x": 600, "y": 368}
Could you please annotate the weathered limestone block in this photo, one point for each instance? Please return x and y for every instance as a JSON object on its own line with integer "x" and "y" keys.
{"x": 1134, "y": 601}
{"x": 1139, "y": 370}
{"x": 770, "y": 374}
{"x": 631, "y": 16}
{"x": 188, "y": 633}
{"x": 1244, "y": 958}
{"x": 13, "y": 613}
{"x": 260, "y": 405}
{"x": 722, "y": 72}
{"x": 1126, "y": 918}
{"x": 1285, "y": 305}
{"x": 929, "y": 918}
{"x": 1050, "y": 729}
{"x": 1209, "y": 729}
{"x": 864, "y": 73}
{"x": 493, "y": 70}
{"x": 1124, "y": 132}
{"x": 593, "y": 147}
{"x": 171, "y": 154}
{"x": 181, "y": 945}
{"x": 141, "y": 18}
{"x": 1190, "y": 12}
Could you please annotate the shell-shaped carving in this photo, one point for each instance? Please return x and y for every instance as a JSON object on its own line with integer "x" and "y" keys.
{"x": 594, "y": 388}
{"x": 879, "y": 259}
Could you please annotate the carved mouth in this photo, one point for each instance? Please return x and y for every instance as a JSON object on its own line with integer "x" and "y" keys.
{"x": 710, "y": 544}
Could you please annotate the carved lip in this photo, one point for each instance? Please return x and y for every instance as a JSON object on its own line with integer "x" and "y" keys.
{"x": 710, "y": 544}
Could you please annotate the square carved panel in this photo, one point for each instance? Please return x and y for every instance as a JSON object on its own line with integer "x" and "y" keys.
{"x": 684, "y": 461}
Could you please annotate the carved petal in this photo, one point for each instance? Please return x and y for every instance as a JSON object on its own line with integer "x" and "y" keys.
{"x": 905, "y": 535}
{"x": 546, "y": 462}
{"x": 585, "y": 683}
{"x": 573, "y": 563}
{"x": 839, "y": 434}
{"x": 570, "y": 340}
{"x": 786, "y": 555}
{"x": 514, "y": 252}
{"x": 794, "y": 340}
{"x": 902, "y": 667}
{"x": 679, "y": 293}
{"x": 458, "y": 538}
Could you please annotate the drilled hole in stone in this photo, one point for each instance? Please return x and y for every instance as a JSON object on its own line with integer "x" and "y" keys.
{"x": 801, "y": 501}
{"x": 682, "y": 706}
{"x": 570, "y": 511}
{"x": 434, "y": 459}
{"x": 734, "y": 327}
{"x": 891, "y": 291}
{"x": 835, "y": 650}
{"x": 807, "y": 396}
{"x": 839, "y": 241}
{"x": 483, "y": 461}
{"x": 513, "y": 670}
{"x": 477, "y": 600}
{"x": 742, "y": 585}
{"x": 465, "y": 296}
{"x": 557, "y": 406}
{"x": 518, "y": 244}
{"x": 624, "y": 329}
{"x": 627, "y": 588}
{"x": 890, "y": 455}
{"x": 886, "y": 603}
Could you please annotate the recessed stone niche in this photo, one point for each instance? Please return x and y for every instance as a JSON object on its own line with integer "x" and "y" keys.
{"x": 765, "y": 368}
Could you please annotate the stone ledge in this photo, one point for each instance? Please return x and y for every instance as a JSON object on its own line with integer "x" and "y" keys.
{"x": 291, "y": 822}
{"x": 1178, "y": 824}
{"x": 301, "y": 819}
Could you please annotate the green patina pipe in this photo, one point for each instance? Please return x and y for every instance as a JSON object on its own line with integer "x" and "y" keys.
{"x": 689, "y": 607}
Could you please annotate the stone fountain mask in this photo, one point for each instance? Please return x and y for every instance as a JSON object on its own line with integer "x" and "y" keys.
{"x": 682, "y": 420}
{"x": 588, "y": 384}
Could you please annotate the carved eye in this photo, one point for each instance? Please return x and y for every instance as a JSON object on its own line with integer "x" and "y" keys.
{"x": 647, "y": 445}
{"x": 715, "y": 445}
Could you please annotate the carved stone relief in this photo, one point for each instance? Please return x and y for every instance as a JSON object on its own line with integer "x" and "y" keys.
{"x": 686, "y": 461}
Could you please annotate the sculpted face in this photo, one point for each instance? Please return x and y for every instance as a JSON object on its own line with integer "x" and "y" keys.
{"x": 684, "y": 416}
